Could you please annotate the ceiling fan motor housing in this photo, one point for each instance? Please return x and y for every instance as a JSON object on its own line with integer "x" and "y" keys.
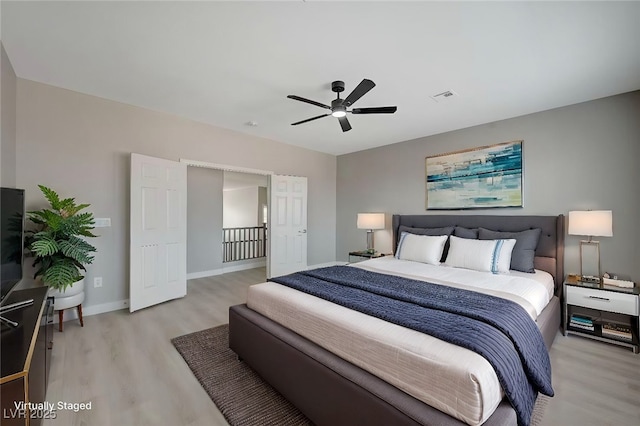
{"x": 337, "y": 86}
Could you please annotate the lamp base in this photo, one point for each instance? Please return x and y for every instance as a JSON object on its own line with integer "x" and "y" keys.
{"x": 594, "y": 246}
{"x": 590, "y": 279}
{"x": 370, "y": 248}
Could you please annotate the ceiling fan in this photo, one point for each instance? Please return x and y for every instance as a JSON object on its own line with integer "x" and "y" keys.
{"x": 339, "y": 106}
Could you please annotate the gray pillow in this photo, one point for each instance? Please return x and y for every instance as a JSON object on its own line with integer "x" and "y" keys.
{"x": 468, "y": 233}
{"x": 434, "y": 232}
{"x": 524, "y": 250}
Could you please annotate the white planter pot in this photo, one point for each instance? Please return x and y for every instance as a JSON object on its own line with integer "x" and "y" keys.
{"x": 71, "y": 297}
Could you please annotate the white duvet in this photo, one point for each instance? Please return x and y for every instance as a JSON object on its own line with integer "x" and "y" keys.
{"x": 531, "y": 291}
{"x": 452, "y": 379}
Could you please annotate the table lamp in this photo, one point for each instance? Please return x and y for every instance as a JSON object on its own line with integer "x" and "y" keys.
{"x": 591, "y": 223}
{"x": 370, "y": 222}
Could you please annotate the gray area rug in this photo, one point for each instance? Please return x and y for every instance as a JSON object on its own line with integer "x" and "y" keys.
{"x": 243, "y": 398}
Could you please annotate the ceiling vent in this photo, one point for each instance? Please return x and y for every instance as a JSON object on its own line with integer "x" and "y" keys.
{"x": 449, "y": 94}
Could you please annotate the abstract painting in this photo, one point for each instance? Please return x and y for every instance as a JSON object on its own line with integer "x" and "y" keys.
{"x": 478, "y": 178}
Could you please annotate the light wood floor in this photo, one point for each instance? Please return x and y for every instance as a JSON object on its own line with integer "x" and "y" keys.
{"x": 126, "y": 366}
{"x": 595, "y": 384}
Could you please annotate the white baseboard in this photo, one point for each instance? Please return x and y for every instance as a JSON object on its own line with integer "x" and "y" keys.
{"x": 227, "y": 269}
{"x": 244, "y": 266}
{"x": 204, "y": 274}
{"x": 72, "y": 313}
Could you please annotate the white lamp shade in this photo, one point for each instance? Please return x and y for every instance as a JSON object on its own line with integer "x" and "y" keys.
{"x": 594, "y": 223}
{"x": 370, "y": 220}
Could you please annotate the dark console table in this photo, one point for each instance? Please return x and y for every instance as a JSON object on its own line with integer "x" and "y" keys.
{"x": 25, "y": 357}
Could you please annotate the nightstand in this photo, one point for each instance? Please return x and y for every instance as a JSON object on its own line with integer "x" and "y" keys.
{"x": 364, "y": 255}
{"x": 605, "y": 313}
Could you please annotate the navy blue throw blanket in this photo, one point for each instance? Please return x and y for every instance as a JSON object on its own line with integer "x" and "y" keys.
{"x": 498, "y": 329}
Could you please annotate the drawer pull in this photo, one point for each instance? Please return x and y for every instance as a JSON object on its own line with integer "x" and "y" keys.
{"x": 598, "y": 298}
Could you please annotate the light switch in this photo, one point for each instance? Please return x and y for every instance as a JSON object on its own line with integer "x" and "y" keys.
{"x": 102, "y": 222}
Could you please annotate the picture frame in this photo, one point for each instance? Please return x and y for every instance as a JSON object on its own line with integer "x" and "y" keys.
{"x": 478, "y": 178}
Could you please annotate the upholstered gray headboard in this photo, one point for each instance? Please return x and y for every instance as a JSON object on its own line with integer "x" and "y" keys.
{"x": 549, "y": 253}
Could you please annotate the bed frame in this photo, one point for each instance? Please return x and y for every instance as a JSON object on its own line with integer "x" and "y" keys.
{"x": 331, "y": 391}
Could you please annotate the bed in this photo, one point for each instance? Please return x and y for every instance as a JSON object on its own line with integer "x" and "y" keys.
{"x": 331, "y": 390}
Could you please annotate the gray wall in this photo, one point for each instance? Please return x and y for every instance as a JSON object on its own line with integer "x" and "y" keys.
{"x": 7, "y": 121}
{"x": 262, "y": 200}
{"x": 239, "y": 207}
{"x": 579, "y": 157}
{"x": 204, "y": 219}
{"x": 80, "y": 145}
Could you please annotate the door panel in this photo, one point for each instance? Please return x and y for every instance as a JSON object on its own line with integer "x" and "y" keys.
{"x": 158, "y": 231}
{"x": 287, "y": 225}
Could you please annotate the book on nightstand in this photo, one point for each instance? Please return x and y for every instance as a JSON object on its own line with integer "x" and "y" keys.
{"x": 621, "y": 331}
{"x": 582, "y": 322}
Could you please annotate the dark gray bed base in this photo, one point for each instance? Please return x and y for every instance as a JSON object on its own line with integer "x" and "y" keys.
{"x": 331, "y": 391}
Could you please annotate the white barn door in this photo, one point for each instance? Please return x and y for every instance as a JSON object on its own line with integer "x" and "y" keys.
{"x": 287, "y": 225}
{"x": 158, "y": 231}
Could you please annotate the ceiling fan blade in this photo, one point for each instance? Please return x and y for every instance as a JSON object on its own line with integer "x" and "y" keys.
{"x": 344, "y": 123}
{"x": 375, "y": 110}
{"x": 360, "y": 90}
{"x": 309, "y": 119}
{"x": 309, "y": 101}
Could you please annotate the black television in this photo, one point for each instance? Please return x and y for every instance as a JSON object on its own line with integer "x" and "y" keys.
{"x": 12, "y": 217}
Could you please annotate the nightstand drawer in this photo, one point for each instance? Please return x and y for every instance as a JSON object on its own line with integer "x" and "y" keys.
{"x": 604, "y": 300}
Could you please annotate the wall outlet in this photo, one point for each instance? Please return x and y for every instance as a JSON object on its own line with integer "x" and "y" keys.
{"x": 97, "y": 282}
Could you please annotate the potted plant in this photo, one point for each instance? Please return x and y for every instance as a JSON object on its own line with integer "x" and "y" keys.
{"x": 58, "y": 246}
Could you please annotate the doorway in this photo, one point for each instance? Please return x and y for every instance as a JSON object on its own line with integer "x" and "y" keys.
{"x": 221, "y": 221}
{"x": 286, "y": 216}
{"x": 244, "y": 219}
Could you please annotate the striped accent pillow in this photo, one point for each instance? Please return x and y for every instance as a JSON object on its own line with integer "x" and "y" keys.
{"x": 501, "y": 261}
{"x": 421, "y": 248}
{"x": 480, "y": 255}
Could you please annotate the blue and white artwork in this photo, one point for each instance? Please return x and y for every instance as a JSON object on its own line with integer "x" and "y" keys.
{"x": 485, "y": 177}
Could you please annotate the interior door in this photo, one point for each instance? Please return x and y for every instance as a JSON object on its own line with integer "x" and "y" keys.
{"x": 158, "y": 231}
{"x": 287, "y": 225}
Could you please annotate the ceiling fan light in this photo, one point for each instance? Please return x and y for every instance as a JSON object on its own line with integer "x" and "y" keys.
{"x": 339, "y": 112}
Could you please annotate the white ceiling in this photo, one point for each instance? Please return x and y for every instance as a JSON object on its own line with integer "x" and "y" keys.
{"x": 228, "y": 63}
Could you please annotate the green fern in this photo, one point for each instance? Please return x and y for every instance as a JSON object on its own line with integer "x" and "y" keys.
{"x": 48, "y": 218}
{"x": 51, "y": 196}
{"x": 77, "y": 249}
{"x": 57, "y": 241}
{"x": 47, "y": 246}
{"x": 62, "y": 274}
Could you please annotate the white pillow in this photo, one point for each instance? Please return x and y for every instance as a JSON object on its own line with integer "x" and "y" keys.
{"x": 503, "y": 251}
{"x": 421, "y": 248}
{"x": 480, "y": 255}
